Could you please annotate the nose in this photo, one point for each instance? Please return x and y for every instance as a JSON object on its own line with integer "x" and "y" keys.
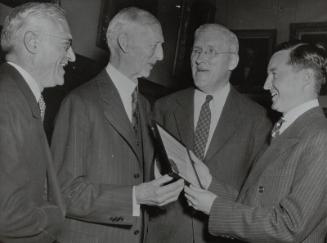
{"x": 201, "y": 57}
{"x": 159, "y": 53}
{"x": 267, "y": 84}
{"x": 71, "y": 55}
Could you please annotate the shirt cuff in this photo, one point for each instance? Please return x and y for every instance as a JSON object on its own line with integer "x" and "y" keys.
{"x": 136, "y": 206}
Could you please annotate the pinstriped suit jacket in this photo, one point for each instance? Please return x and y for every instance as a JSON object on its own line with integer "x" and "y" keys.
{"x": 98, "y": 160}
{"x": 284, "y": 198}
{"x": 239, "y": 136}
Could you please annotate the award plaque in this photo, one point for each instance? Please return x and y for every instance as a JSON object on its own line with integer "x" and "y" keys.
{"x": 173, "y": 156}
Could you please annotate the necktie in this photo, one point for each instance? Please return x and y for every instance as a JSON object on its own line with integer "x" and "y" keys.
{"x": 276, "y": 129}
{"x": 42, "y": 107}
{"x": 135, "y": 110}
{"x": 202, "y": 129}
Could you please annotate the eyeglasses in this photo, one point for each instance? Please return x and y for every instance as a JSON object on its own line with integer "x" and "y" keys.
{"x": 209, "y": 52}
{"x": 68, "y": 42}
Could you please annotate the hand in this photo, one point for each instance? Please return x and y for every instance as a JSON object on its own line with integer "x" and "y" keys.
{"x": 199, "y": 199}
{"x": 202, "y": 171}
{"x": 157, "y": 192}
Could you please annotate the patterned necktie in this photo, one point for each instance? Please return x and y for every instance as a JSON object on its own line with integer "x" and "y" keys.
{"x": 135, "y": 110}
{"x": 202, "y": 129}
{"x": 276, "y": 129}
{"x": 42, "y": 107}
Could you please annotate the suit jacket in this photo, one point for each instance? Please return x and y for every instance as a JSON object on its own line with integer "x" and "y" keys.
{"x": 99, "y": 159}
{"x": 26, "y": 216}
{"x": 284, "y": 198}
{"x": 240, "y": 135}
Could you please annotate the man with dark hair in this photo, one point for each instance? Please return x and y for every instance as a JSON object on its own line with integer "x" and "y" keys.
{"x": 37, "y": 41}
{"x": 101, "y": 144}
{"x": 284, "y": 198}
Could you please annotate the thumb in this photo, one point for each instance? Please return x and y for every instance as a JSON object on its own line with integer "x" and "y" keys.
{"x": 162, "y": 180}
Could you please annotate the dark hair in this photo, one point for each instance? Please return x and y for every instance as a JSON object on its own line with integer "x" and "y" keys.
{"x": 308, "y": 56}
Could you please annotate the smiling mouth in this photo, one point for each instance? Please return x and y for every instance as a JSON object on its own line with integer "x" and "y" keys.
{"x": 273, "y": 94}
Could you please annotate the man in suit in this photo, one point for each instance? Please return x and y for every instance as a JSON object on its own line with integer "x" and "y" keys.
{"x": 101, "y": 143}
{"x": 284, "y": 198}
{"x": 237, "y": 130}
{"x": 37, "y": 41}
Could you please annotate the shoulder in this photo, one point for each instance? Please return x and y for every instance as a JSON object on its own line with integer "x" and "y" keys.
{"x": 169, "y": 102}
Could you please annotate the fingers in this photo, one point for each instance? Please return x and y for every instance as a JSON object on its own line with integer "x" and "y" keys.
{"x": 161, "y": 180}
{"x": 169, "y": 193}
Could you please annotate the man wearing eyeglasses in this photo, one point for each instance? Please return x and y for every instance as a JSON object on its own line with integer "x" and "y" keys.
{"x": 221, "y": 126}
{"x": 37, "y": 41}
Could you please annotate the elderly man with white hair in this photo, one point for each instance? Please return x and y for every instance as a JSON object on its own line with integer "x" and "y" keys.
{"x": 37, "y": 41}
{"x": 101, "y": 144}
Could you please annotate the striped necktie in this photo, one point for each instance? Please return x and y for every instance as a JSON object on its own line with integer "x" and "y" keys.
{"x": 276, "y": 129}
{"x": 202, "y": 129}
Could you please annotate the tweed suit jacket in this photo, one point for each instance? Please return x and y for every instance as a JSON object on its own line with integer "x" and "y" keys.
{"x": 26, "y": 216}
{"x": 284, "y": 199}
{"x": 99, "y": 159}
{"x": 240, "y": 135}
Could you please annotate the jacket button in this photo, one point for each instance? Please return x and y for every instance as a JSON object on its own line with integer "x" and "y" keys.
{"x": 136, "y": 232}
{"x": 136, "y": 175}
{"x": 261, "y": 189}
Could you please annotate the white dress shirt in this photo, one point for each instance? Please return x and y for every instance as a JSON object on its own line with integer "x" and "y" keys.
{"x": 216, "y": 107}
{"x": 290, "y": 116}
{"x": 125, "y": 88}
{"x": 32, "y": 84}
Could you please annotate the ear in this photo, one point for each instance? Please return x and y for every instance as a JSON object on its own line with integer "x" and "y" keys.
{"x": 122, "y": 42}
{"x": 31, "y": 42}
{"x": 234, "y": 58}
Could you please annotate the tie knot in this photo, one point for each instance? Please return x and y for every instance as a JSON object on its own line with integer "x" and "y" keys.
{"x": 134, "y": 95}
{"x": 42, "y": 106}
{"x": 277, "y": 126}
{"x": 208, "y": 98}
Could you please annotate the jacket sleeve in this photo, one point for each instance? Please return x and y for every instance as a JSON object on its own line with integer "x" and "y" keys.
{"x": 295, "y": 215}
{"x": 86, "y": 200}
{"x": 20, "y": 217}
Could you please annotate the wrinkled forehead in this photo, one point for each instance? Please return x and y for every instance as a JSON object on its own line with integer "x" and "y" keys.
{"x": 279, "y": 58}
{"x": 149, "y": 32}
{"x": 212, "y": 38}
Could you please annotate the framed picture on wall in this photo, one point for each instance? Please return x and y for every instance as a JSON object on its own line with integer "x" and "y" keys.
{"x": 2, "y": 55}
{"x": 14, "y": 3}
{"x": 256, "y": 47}
{"x": 315, "y": 32}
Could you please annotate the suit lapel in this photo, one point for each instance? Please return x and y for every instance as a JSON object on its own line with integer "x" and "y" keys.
{"x": 25, "y": 89}
{"x": 184, "y": 117}
{"x": 227, "y": 125}
{"x": 284, "y": 143}
{"x": 114, "y": 111}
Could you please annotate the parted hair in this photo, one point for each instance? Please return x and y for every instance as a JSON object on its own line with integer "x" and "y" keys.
{"x": 26, "y": 16}
{"x": 308, "y": 56}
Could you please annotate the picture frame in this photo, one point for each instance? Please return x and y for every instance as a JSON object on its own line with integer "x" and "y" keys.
{"x": 14, "y": 3}
{"x": 255, "y": 48}
{"x": 310, "y": 32}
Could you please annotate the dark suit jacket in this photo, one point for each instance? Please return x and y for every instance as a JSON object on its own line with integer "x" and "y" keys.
{"x": 284, "y": 199}
{"x": 99, "y": 159}
{"x": 239, "y": 136}
{"x": 25, "y": 214}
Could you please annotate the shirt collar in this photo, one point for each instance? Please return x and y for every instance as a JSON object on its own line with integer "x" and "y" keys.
{"x": 216, "y": 95}
{"x": 122, "y": 83}
{"x": 294, "y": 113}
{"x": 29, "y": 80}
